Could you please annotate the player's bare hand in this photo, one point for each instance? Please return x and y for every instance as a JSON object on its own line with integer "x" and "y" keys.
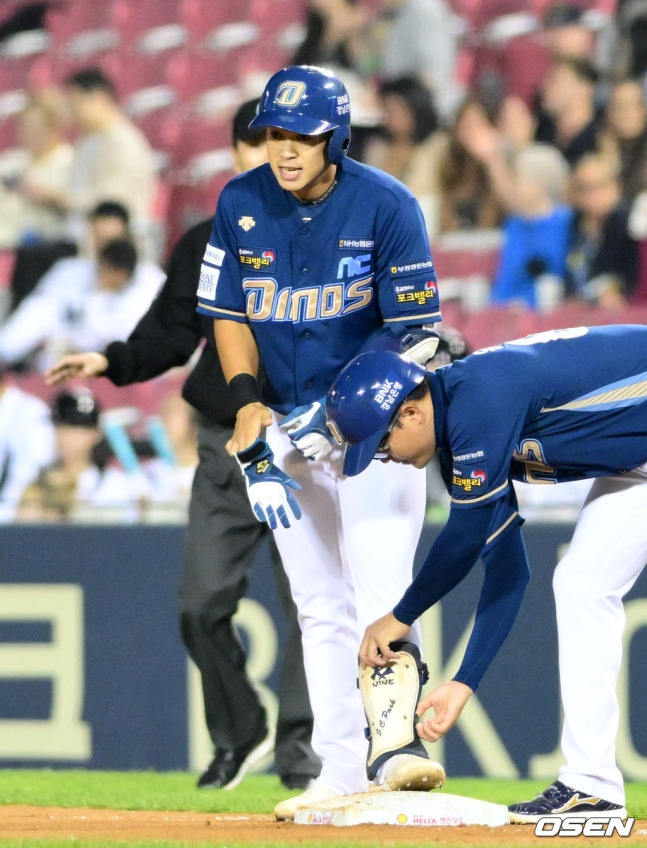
{"x": 250, "y": 421}
{"x": 447, "y": 702}
{"x": 76, "y": 365}
{"x": 375, "y": 648}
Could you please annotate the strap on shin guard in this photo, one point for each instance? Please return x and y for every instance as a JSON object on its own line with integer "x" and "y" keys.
{"x": 390, "y": 696}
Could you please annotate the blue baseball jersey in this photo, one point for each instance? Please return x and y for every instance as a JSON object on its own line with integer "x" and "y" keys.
{"x": 551, "y": 407}
{"x": 315, "y": 281}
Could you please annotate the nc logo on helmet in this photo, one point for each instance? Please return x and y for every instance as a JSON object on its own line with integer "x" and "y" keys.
{"x": 290, "y": 93}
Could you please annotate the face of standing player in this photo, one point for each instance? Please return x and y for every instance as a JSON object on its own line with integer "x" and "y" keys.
{"x": 300, "y": 163}
{"x": 412, "y": 440}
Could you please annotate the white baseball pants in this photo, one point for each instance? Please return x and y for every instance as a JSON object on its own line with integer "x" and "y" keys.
{"x": 607, "y": 553}
{"x": 349, "y": 560}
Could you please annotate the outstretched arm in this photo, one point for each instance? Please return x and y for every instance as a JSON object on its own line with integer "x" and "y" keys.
{"x": 506, "y": 577}
{"x": 450, "y": 559}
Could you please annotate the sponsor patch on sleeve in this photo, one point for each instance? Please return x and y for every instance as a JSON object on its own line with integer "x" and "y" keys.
{"x": 257, "y": 259}
{"x": 214, "y": 255}
{"x": 408, "y": 268}
{"x": 469, "y": 473}
{"x": 208, "y": 282}
{"x": 408, "y": 295}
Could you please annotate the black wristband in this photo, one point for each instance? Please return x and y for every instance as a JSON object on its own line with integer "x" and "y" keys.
{"x": 243, "y": 389}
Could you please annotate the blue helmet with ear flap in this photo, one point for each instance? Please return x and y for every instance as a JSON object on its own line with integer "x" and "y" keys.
{"x": 365, "y": 399}
{"x": 310, "y": 101}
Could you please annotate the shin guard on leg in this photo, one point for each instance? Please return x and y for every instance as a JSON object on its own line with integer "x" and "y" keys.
{"x": 390, "y": 696}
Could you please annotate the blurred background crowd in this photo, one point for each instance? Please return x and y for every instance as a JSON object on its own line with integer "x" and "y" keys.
{"x": 520, "y": 126}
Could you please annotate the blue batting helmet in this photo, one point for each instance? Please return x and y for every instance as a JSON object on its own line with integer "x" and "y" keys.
{"x": 364, "y": 401}
{"x": 307, "y": 100}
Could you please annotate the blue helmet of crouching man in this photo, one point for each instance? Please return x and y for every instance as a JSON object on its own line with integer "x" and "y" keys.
{"x": 364, "y": 400}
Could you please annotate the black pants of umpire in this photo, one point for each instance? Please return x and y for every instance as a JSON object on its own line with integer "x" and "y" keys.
{"x": 222, "y": 540}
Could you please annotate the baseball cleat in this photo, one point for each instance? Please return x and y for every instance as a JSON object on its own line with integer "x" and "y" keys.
{"x": 410, "y": 772}
{"x": 229, "y": 766}
{"x": 285, "y": 810}
{"x": 562, "y": 801}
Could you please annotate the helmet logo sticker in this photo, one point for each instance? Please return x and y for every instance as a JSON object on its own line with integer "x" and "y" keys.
{"x": 290, "y": 93}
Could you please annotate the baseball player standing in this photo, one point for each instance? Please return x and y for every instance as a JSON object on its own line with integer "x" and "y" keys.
{"x": 313, "y": 257}
{"x": 551, "y": 407}
{"x": 223, "y": 536}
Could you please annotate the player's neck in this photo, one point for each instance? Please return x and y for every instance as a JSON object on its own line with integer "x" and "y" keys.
{"x": 319, "y": 189}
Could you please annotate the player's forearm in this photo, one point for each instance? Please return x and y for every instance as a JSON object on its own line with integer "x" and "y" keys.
{"x": 236, "y": 348}
{"x": 450, "y": 559}
{"x": 506, "y": 576}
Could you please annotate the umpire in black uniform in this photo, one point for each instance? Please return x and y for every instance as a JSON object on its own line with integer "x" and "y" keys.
{"x": 223, "y": 535}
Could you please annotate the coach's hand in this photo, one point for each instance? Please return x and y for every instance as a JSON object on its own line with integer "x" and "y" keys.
{"x": 306, "y": 427}
{"x": 268, "y": 488}
{"x": 76, "y": 365}
{"x": 375, "y": 649}
{"x": 447, "y": 701}
{"x": 250, "y": 421}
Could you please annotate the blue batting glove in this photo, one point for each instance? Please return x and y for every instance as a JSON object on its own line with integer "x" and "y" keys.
{"x": 268, "y": 488}
{"x": 306, "y": 427}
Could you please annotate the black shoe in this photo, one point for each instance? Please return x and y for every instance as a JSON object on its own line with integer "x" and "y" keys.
{"x": 560, "y": 800}
{"x": 230, "y": 765}
{"x": 298, "y": 781}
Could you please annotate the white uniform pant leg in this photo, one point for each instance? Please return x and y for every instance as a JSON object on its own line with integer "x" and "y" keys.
{"x": 382, "y": 511}
{"x": 310, "y": 552}
{"x": 349, "y": 557}
{"x": 607, "y": 553}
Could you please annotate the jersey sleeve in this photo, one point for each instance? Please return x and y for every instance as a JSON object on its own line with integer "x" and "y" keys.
{"x": 220, "y": 292}
{"x": 405, "y": 274}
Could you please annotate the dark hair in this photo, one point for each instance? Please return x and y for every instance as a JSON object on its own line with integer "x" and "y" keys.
{"x": 92, "y": 79}
{"x": 240, "y": 130}
{"x": 418, "y": 98}
{"x": 562, "y": 15}
{"x": 110, "y": 209}
{"x": 418, "y": 392}
{"x": 120, "y": 254}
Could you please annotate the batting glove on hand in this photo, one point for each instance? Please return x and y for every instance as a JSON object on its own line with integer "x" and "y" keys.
{"x": 268, "y": 488}
{"x": 306, "y": 427}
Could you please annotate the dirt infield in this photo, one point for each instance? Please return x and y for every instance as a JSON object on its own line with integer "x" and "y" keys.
{"x": 84, "y": 824}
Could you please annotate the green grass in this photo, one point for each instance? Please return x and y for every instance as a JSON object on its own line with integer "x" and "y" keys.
{"x": 176, "y": 791}
{"x": 258, "y": 793}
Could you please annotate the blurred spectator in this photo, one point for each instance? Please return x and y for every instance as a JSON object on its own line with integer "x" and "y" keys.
{"x": 335, "y": 38}
{"x": 567, "y": 34}
{"x": 333, "y": 33}
{"x": 27, "y": 214}
{"x": 173, "y": 434}
{"x": 112, "y": 157}
{"x": 630, "y": 53}
{"x": 535, "y": 236}
{"x": 496, "y": 146}
{"x": 420, "y": 38}
{"x": 407, "y": 144}
{"x": 467, "y": 196}
{"x": 623, "y": 136}
{"x": 568, "y": 100}
{"x": 26, "y": 443}
{"x": 65, "y": 315}
{"x": 106, "y": 221}
{"x": 74, "y": 487}
{"x": 602, "y": 258}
